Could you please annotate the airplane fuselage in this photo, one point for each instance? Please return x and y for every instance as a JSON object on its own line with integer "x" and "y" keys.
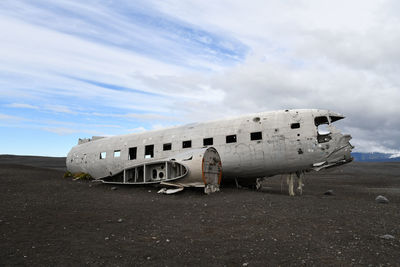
{"x": 251, "y": 146}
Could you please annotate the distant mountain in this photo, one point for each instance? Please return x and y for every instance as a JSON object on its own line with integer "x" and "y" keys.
{"x": 373, "y": 157}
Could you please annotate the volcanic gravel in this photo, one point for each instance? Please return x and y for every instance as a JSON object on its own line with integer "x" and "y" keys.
{"x": 46, "y": 219}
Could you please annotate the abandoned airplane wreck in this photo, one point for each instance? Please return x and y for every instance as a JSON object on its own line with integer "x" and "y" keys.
{"x": 244, "y": 149}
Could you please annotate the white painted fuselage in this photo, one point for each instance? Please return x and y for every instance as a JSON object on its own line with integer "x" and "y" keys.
{"x": 251, "y": 146}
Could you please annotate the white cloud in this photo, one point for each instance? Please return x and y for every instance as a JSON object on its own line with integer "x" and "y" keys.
{"x": 22, "y": 105}
{"x": 61, "y": 130}
{"x": 10, "y": 117}
{"x": 306, "y": 54}
{"x": 185, "y": 61}
{"x": 42, "y": 62}
{"x": 136, "y": 130}
{"x": 59, "y": 108}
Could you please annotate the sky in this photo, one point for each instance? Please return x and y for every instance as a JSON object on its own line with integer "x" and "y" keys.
{"x": 72, "y": 69}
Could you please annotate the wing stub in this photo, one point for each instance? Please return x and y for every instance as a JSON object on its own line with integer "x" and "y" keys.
{"x": 194, "y": 168}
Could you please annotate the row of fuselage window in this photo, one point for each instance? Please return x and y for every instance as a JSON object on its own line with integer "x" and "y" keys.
{"x": 149, "y": 149}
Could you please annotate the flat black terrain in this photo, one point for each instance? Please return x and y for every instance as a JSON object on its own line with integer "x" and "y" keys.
{"x": 35, "y": 161}
{"x": 48, "y": 220}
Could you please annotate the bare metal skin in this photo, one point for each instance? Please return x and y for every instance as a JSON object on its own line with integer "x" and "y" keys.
{"x": 285, "y": 142}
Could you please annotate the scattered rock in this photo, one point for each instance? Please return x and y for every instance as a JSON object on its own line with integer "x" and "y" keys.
{"x": 381, "y": 199}
{"x": 113, "y": 188}
{"x": 120, "y": 220}
{"x": 387, "y": 237}
{"x": 245, "y": 264}
{"x": 329, "y": 192}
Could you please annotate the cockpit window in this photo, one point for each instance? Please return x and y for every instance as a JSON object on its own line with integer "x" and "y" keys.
{"x": 323, "y": 132}
{"x": 335, "y": 118}
{"x": 321, "y": 120}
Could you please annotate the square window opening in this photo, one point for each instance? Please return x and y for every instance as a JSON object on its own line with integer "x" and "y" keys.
{"x": 231, "y": 138}
{"x": 208, "y": 141}
{"x": 256, "y": 136}
{"x": 117, "y": 153}
{"x": 149, "y": 151}
{"x": 187, "y": 144}
{"x": 295, "y": 125}
{"x": 321, "y": 120}
{"x": 167, "y": 146}
{"x": 103, "y": 155}
{"x": 132, "y": 153}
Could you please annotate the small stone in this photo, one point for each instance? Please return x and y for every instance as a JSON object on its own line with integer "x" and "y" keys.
{"x": 329, "y": 192}
{"x": 148, "y": 258}
{"x": 149, "y": 191}
{"x": 245, "y": 264}
{"x": 113, "y": 188}
{"x": 387, "y": 237}
{"x": 381, "y": 199}
{"x": 106, "y": 238}
{"x": 167, "y": 240}
{"x": 120, "y": 220}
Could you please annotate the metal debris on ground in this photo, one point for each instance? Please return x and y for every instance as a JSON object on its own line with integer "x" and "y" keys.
{"x": 169, "y": 191}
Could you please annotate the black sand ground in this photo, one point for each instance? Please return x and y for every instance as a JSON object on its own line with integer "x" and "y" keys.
{"x": 48, "y": 220}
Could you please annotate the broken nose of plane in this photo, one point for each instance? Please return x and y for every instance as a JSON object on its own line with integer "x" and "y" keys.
{"x": 342, "y": 152}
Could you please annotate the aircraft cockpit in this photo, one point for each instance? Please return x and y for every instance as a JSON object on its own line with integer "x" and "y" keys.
{"x": 323, "y": 124}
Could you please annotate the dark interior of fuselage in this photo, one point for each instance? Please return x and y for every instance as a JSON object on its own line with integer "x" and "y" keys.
{"x": 323, "y": 131}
